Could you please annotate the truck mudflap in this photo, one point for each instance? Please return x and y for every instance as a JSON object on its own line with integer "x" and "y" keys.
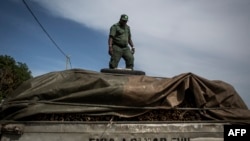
{"x": 103, "y": 131}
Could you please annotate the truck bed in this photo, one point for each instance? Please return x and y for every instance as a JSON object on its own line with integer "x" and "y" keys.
{"x": 112, "y": 131}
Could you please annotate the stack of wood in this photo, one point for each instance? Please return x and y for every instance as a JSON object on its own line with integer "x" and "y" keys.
{"x": 177, "y": 114}
{"x": 153, "y": 115}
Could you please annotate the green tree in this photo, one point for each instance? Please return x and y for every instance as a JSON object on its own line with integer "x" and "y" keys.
{"x": 12, "y": 74}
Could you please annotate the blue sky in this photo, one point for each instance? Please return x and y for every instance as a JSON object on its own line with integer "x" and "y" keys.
{"x": 210, "y": 38}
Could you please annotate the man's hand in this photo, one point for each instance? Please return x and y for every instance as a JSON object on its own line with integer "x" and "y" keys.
{"x": 110, "y": 50}
{"x": 133, "y": 50}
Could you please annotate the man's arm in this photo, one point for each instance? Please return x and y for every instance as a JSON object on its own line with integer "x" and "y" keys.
{"x": 129, "y": 38}
{"x": 131, "y": 44}
{"x": 110, "y": 42}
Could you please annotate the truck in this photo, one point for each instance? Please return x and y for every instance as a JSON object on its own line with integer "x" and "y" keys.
{"x": 84, "y": 105}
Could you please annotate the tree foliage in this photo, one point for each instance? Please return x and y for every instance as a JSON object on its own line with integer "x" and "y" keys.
{"x": 12, "y": 74}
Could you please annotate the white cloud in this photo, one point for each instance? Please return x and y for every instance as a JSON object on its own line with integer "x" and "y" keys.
{"x": 210, "y": 38}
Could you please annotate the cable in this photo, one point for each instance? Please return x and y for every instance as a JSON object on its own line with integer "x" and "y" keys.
{"x": 44, "y": 30}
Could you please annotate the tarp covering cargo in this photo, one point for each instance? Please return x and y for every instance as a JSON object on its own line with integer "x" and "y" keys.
{"x": 95, "y": 93}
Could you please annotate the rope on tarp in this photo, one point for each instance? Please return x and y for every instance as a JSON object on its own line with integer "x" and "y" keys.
{"x": 115, "y": 106}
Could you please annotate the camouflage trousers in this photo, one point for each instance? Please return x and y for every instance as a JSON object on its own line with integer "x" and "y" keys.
{"x": 119, "y": 53}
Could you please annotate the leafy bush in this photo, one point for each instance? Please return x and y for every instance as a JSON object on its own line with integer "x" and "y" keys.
{"x": 12, "y": 74}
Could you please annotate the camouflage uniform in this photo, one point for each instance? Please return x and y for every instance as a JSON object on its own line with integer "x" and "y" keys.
{"x": 120, "y": 36}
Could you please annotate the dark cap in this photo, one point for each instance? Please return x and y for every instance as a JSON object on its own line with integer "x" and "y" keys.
{"x": 124, "y": 17}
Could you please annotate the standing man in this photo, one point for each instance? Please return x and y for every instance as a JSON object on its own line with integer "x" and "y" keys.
{"x": 119, "y": 39}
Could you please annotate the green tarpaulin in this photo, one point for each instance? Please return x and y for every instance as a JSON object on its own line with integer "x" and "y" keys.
{"x": 95, "y": 93}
